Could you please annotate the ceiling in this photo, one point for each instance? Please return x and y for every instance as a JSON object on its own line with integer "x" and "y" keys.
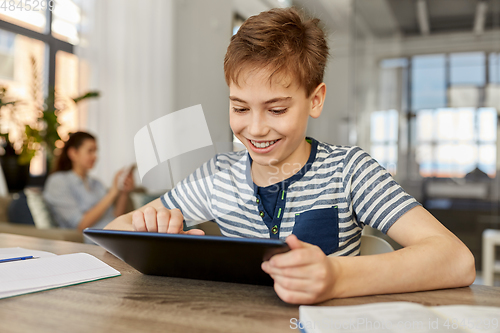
{"x": 386, "y": 18}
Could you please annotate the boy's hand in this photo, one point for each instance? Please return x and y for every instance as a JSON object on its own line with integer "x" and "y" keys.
{"x": 161, "y": 220}
{"x": 304, "y": 275}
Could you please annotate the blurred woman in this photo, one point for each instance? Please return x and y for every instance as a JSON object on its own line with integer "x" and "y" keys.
{"x": 75, "y": 199}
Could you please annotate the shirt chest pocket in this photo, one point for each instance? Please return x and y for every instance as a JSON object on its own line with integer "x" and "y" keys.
{"x": 319, "y": 227}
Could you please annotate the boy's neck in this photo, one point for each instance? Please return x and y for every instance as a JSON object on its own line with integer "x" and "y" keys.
{"x": 268, "y": 175}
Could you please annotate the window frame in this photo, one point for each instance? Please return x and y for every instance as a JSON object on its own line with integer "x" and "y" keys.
{"x": 407, "y": 107}
{"x": 53, "y": 45}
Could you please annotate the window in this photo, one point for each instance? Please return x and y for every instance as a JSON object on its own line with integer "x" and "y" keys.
{"x": 492, "y": 91}
{"x": 384, "y": 124}
{"x": 494, "y": 68}
{"x": 22, "y": 74}
{"x": 454, "y": 141}
{"x": 36, "y": 55}
{"x": 384, "y": 138}
{"x": 467, "y": 69}
{"x": 428, "y": 84}
{"x": 30, "y": 16}
{"x": 66, "y": 18}
{"x": 66, "y": 87}
{"x": 451, "y": 104}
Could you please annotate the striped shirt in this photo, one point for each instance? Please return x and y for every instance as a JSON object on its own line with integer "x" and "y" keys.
{"x": 338, "y": 191}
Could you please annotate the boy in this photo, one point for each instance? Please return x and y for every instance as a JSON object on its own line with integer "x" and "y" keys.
{"x": 315, "y": 195}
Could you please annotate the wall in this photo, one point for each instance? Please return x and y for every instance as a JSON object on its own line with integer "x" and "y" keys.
{"x": 148, "y": 59}
{"x": 202, "y": 33}
{"x": 336, "y": 125}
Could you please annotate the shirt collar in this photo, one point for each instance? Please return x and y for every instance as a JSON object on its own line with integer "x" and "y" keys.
{"x": 289, "y": 181}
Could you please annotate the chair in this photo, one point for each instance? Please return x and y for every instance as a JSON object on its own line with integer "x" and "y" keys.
{"x": 491, "y": 238}
{"x": 374, "y": 245}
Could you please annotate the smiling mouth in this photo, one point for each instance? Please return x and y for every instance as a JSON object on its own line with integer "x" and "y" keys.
{"x": 263, "y": 144}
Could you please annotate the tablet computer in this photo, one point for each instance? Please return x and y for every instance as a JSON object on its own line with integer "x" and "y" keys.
{"x": 216, "y": 258}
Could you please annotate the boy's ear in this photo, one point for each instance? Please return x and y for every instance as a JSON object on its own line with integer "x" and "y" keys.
{"x": 317, "y": 100}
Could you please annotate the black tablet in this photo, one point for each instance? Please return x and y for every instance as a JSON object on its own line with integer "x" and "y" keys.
{"x": 215, "y": 258}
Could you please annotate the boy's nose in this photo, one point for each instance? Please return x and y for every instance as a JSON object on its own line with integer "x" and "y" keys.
{"x": 258, "y": 126}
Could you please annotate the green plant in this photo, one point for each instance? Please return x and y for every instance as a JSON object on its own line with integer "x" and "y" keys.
{"x": 8, "y": 111}
{"x": 43, "y": 132}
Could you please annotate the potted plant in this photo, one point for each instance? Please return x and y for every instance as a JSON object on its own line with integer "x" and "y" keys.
{"x": 42, "y": 134}
{"x": 16, "y": 173}
{"x": 45, "y": 134}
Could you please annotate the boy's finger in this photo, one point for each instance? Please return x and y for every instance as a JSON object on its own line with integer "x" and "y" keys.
{"x": 294, "y": 243}
{"x": 138, "y": 221}
{"x": 297, "y": 257}
{"x": 292, "y": 296}
{"x": 162, "y": 218}
{"x": 289, "y": 283}
{"x": 176, "y": 222}
{"x": 198, "y": 232}
{"x": 150, "y": 219}
{"x": 300, "y": 272}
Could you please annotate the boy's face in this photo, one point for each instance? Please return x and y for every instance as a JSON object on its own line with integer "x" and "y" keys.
{"x": 270, "y": 119}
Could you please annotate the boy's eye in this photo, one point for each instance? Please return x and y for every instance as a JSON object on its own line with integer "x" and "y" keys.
{"x": 239, "y": 110}
{"x": 279, "y": 111}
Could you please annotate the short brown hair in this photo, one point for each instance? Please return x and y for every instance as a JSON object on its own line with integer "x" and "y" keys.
{"x": 282, "y": 40}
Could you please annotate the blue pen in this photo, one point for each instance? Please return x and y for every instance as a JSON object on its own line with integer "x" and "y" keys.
{"x": 15, "y": 259}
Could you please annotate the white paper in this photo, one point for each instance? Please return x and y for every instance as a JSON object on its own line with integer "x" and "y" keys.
{"x": 16, "y": 252}
{"x": 400, "y": 317}
{"x": 26, "y": 276}
{"x": 474, "y": 318}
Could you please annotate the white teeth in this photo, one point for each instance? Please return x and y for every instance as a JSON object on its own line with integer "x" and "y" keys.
{"x": 263, "y": 144}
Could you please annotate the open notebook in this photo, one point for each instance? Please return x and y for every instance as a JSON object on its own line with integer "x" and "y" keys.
{"x": 398, "y": 317}
{"x": 47, "y": 271}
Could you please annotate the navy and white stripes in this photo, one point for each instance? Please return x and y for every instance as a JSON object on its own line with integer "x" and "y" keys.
{"x": 346, "y": 177}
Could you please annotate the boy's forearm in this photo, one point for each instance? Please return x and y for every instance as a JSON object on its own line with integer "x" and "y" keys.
{"x": 123, "y": 222}
{"x": 437, "y": 263}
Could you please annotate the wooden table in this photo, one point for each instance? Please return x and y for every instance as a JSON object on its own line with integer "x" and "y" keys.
{"x": 134, "y": 302}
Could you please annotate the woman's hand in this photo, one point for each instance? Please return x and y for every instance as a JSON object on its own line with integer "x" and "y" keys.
{"x": 128, "y": 183}
{"x": 304, "y": 275}
{"x": 161, "y": 220}
{"x": 122, "y": 182}
{"x": 116, "y": 181}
